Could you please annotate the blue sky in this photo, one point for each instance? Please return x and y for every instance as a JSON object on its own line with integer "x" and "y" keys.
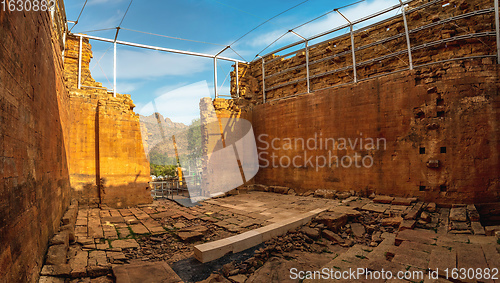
{"x": 177, "y": 82}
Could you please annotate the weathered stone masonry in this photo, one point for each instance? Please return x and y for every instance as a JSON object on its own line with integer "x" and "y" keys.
{"x": 440, "y": 121}
{"x": 56, "y": 141}
{"x": 34, "y": 126}
{"x": 105, "y": 144}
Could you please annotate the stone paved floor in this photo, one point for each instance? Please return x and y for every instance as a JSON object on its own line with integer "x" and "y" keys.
{"x": 391, "y": 233}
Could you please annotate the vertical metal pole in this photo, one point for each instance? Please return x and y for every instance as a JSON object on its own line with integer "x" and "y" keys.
{"x": 353, "y": 57}
{"x": 263, "y": 81}
{"x": 307, "y": 67}
{"x": 114, "y": 70}
{"x": 80, "y": 64}
{"x": 64, "y": 45}
{"x": 408, "y": 43}
{"x": 497, "y": 26}
{"x": 215, "y": 77}
{"x": 237, "y": 81}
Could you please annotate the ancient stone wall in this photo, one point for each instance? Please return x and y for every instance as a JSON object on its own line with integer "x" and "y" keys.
{"x": 105, "y": 144}
{"x": 437, "y": 125}
{"x": 436, "y": 34}
{"x": 34, "y": 111}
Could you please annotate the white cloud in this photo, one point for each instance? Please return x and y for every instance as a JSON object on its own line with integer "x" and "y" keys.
{"x": 180, "y": 105}
{"x": 144, "y": 64}
{"x": 326, "y": 23}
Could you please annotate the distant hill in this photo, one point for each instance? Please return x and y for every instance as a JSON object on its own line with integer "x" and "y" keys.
{"x": 157, "y": 132}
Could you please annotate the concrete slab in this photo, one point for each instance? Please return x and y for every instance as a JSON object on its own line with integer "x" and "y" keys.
{"x": 145, "y": 273}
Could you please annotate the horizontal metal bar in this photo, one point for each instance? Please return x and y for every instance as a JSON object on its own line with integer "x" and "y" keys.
{"x": 385, "y": 74}
{"x": 285, "y": 84}
{"x": 160, "y": 48}
{"x": 224, "y": 95}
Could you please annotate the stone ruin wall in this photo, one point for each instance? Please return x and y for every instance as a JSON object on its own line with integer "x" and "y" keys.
{"x": 335, "y": 55}
{"x": 34, "y": 130}
{"x": 440, "y": 121}
{"x": 105, "y": 141}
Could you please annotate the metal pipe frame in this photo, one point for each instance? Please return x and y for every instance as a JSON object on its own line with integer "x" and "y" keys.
{"x": 114, "y": 69}
{"x": 408, "y": 43}
{"x": 216, "y": 92}
{"x": 497, "y": 29}
{"x": 80, "y": 63}
{"x": 307, "y": 59}
{"x": 159, "y": 48}
{"x": 382, "y": 41}
{"x": 345, "y": 26}
{"x": 352, "y": 46}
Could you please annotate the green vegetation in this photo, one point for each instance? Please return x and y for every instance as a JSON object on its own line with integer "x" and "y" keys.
{"x": 163, "y": 170}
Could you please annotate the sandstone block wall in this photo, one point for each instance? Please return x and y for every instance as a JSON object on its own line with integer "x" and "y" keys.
{"x": 34, "y": 111}
{"x": 105, "y": 143}
{"x": 439, "y": 121}
{"x": 440, "y": 125}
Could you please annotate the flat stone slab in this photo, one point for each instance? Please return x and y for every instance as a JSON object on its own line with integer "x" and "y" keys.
{"x": 383, "y": 199}
{"x": 375, "y": 207}
{"x": 145, "y": 273}
{"x": 125, "y": 244}
{"x": 458, "y": 214}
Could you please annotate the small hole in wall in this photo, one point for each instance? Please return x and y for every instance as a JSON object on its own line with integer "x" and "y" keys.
{"x": 442, "y": 188}
{"x": 439, "y": 102}
{"x": 440, "y": 114}
{"x": 443, "y": 149}
{"x": 421, "y": 188}
{"x": 421, "y": 150}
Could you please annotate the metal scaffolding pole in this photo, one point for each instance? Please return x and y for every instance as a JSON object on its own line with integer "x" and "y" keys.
{"x": 497, "y": 26}
{"x": 215, "y": 71}
{"x": 215, "y": 77}
{"x": 237, "y": 81}
{"x": 307, "y": 59}
{"x": 114, "y": 70}
{"x": 408, "y": 43}
{"x": 80, "y": 64}
{"x": 352, "y": 47}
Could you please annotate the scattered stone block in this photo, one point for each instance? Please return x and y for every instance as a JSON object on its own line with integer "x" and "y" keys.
{"x": 490, "y": 230}
{"x": 62, "y": 270}
{"x": 78, "y": 264}
{"x": 407, "y": 224}
{"x": 477, "y": 228}
{"x": 419, "y": 236}
{"x": 343, "y": 195}
{"x": 145, "y": 272}
{"x": 392, "y": 221}
{"x": 458, "y": 214}
{"x": 189, "y": 236}
{"x": 56, "y": 255}
{"x": 375, "y": 207}
{"x": 332, "y": 236}
{"x": 99, "y": 270}
{"x": 332, "y": 220}
{"x": 61, "y": 238}
{"x": 431, "y": 207}
{"x": 401, "y": 201}
{"x": 383, "y": 199}
{"x": 50, "y": 279}
{"x": 425, "y": 216}
{"x": 311, "y": 232}
{"x": 414, "y": 212}
{"x": 240, "y": 278}
{"x": 358, "y": 230}
{"x": 279, "y": 189}
{"x": 472, "y": 213}
{"x": 125, "y": 244}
